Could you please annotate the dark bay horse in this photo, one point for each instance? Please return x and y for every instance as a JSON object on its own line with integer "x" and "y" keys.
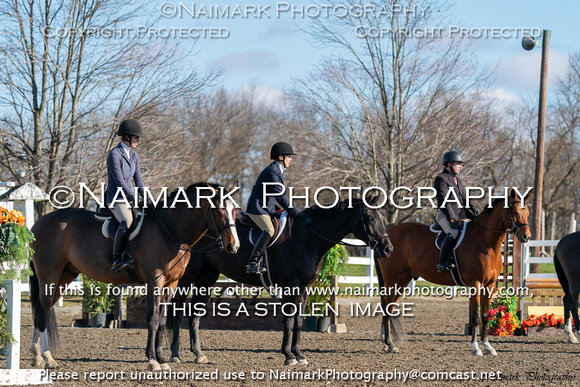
{"x": 293, "y": 265}
{"x": 69, "y": 242}
{"x": 567, "y": 264}
{"x": 479, "y": 258}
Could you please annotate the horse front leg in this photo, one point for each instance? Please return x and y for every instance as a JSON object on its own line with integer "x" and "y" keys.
{"x": 205, "y": 280}
{"x": 300, "y": 358}
{"x": 159, "y": 335}
{"x": 484, "y": 306}
{"x": 153, "y": 302}
{"x": 474, "y": 320}
{"x": 288, "y": 321}
{"x": 389, "y": 343}
{"x": 194, "y": 340}
{"x": 177, "y": 318}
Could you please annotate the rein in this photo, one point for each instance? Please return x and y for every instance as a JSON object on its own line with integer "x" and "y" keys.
{"x": 169, "y": 236}
{"x": 372, "y": 242}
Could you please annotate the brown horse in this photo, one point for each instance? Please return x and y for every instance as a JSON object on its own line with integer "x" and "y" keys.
{"x": 69, "y": 242}
{"x": 479, "y": 261}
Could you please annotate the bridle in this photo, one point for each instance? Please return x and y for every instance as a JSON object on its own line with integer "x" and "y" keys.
{"x": 515, "y": 226}
{"x": 219, "y": 240}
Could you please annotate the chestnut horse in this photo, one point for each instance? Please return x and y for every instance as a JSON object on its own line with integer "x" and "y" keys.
{"x": 293, "y": 265}
{"x": 69, "y": 242}
{"x": 479, "y": 261}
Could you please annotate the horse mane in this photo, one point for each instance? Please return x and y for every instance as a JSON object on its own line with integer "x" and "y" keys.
{"x": 338, "y": 208}
{"x": 489, "y": 209}
{"x": 190, "y": 188}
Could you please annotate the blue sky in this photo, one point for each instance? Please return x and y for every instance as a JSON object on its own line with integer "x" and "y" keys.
{"x": 269, "y": 51}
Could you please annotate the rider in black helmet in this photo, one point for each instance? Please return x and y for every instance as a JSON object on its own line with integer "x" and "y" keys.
{"x": 262, "y": 213}
{"x": 122, "y": 167}
{"x": 449, "y": 214}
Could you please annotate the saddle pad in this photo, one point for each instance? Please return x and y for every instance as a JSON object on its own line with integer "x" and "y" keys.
{"x": 255, "y": 232}
{"x": 110, "y": 225}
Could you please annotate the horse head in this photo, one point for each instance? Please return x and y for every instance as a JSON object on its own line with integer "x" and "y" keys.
{"x": 371, "y": 229}
{"x": 223, "y": 221}
{"x": 518, "y": 216}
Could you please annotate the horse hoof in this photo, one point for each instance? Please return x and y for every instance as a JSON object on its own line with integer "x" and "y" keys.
{"x": 477, "y": 353}
{"x": 290, "y": 362}
{"x": 154, "y": 365}
{"x": 165, "y": 367}
{"x": 391, "y": 350}
{"x": 572, "y": 340}
{"x": 50, "y": 365}
{"x": 303, "y": 362}
{"x": 175, "y": 359}
{"x": 38, "y": 362}
{"x": 201, "y": 360}
{"x": 491, "y": 352}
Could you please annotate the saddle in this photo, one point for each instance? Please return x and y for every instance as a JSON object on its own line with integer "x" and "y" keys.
{"x": 436, "y": 228}
{"x": 111, "y": 224}
{"x": 282, "y": 228}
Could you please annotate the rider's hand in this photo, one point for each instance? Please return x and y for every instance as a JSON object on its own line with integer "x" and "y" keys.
{"x": 303, "y": 217}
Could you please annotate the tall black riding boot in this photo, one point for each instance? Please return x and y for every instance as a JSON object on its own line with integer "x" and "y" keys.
{"x": 253, "y": 266}
{"x": 445, "y": 263}
{"x": 119, "y": 248}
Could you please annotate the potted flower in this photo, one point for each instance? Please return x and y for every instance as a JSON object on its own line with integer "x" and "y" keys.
{"x": 15, "y": 254}
{"x": 97, "y": 303}
{"x": 503, "y": 320}
{"x": 320, "y": 297}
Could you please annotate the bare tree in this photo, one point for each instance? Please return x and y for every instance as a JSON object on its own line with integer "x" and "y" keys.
{"x": 69, "y": 74}
{"x": 388, "y": 107}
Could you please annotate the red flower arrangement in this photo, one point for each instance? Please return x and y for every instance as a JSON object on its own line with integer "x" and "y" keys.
{"x": 503, "y": 320}
{"x": 545, "y": 320}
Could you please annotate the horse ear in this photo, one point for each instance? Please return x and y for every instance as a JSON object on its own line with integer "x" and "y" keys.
{"x": 233, "y": 186}
{"x": 529, "y": 195}
{"x": 373, "y": 200}
{"x": 214, "y": 190}
{"x": 513, "y": 195}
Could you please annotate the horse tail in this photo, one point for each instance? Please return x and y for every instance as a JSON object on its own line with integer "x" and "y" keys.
{"x": 34, "y": 289}
{"x": 43, "y": 319}
{"x": 398, "y": 333}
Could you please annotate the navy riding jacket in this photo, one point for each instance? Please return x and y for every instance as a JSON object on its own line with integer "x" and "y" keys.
{"x": 271, "y": 174}
{"x": 120, "y": 170}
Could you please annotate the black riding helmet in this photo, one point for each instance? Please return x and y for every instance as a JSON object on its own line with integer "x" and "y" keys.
{"x": 281, "y": 148}
{"x": 451, "y": 157}
{"x": 130, "y": 127}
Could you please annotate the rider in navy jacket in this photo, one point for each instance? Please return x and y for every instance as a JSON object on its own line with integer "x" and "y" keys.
{"x": 122, "y": 167}
{"x": 261, "y": 214}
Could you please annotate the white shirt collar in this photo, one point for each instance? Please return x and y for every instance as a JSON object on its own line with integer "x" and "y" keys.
{"x": 126, "y": 148}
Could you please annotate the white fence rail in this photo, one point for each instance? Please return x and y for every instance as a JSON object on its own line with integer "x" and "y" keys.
{"x": 528, "y": 259}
